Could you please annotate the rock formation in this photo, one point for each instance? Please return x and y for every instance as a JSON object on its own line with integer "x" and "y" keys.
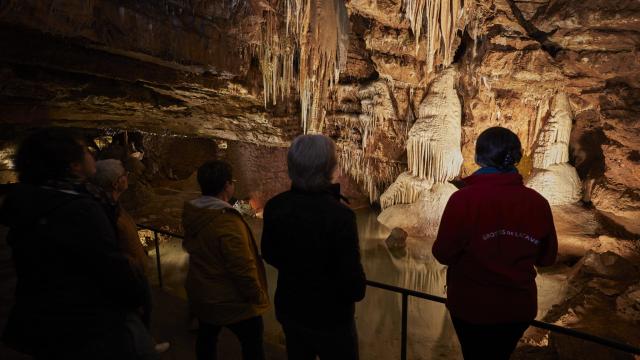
{"x": 563, "y": 74}
{"x": 416, "y": 200}
{"x": 552, "y": 175}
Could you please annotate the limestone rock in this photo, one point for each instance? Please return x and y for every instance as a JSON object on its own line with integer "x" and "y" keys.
{"x": 433, "y": 147}
{"x": 553, "y": 141}
{"x": 628, "y": 304}
{"x": 407, "y": 189}
{"x": 558, "y": 183}
{"x": 397, "y": 238}
{"x": 397, "y": 242}
{"x": 608, "y": 265}
{"x": 421, "y": 218}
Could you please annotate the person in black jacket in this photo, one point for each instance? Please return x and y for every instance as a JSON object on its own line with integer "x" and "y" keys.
{"x": 75, "y": 287}
{"x": 312, "y": 239}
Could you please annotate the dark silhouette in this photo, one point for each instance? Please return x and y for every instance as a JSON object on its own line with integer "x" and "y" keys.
{"x": 492, "y": 234}
{"x": 75, "y": 288}
{"x": 312, "y": 239}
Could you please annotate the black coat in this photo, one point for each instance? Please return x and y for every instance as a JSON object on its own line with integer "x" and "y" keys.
{"x": 74, "y": 286}
{"x": 312, "y": 239}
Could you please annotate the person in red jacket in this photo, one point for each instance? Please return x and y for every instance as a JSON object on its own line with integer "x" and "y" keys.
{"x": 493, "y": 233}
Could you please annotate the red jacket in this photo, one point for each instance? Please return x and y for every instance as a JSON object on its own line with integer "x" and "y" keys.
{"x": 492, "y": 233}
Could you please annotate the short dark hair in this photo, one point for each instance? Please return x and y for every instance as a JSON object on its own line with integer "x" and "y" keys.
{"x": 213, "y": 176}
{"x": 498, "y": 147}
{"x": 47, "y": 154}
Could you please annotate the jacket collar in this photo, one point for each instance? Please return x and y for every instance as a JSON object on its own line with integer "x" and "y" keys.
{"x": 493, "y": 179}
{"x": 333, "y": 190}
{"x": 492, "y": 170}
{"x": 210, "y": 202}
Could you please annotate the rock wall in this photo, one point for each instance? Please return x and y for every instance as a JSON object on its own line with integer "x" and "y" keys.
{"x": 183, "y": 67}
{"x": 194, "y": 68}
{"x": 514, "y": 58}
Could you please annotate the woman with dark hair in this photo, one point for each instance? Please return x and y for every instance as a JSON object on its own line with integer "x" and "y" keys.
{"x": 493, "y": 233}
{"x": 75, "y": 288}
{"x": 312, "y": 239}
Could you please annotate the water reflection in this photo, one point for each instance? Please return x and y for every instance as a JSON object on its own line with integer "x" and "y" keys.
{"x": 430, "y": 331}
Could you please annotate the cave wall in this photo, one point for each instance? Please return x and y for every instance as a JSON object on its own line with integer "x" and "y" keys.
{"x": 513, "y": 59}
{"x": 193, "y": 68}
{"x": 178, "y": 66}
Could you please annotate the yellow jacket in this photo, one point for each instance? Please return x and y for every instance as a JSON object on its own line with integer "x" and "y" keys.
{"x": 226, "y": 281}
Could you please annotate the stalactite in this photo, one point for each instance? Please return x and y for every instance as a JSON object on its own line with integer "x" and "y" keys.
{"x": 442, "y": 19}
{"x": 376, "y": 106}
{"x": 373, "y": 176}
{"x": 276, "y": 54}
{"x": 318, "y": 31}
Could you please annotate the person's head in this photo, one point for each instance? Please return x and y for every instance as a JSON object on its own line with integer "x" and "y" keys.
{"x": 312, "y": 162}
{"x": 111, "y": 176}
{"x": 216, "y": 179}
{"x": 53, "y": 154}
{"x": 499, "y": 148}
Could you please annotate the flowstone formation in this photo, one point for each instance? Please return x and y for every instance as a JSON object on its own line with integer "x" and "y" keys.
{"x": 553, "y": 177}
{"x": 416, "y": 200}
{"x": 359, "y": 136}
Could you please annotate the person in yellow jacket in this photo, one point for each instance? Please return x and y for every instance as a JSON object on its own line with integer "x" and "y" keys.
{"x": 226, "y": 282}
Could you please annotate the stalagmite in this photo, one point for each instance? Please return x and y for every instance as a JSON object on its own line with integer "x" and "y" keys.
{"x": 559, "y": 184}
{"x": 433, "y": 148}
{"x": 553, "y": 177}
{"x": 553, "y": 141}
{"x": 416, "y": 200}
{"x": 422, "y": 217}
{"x": 405, "y": 190}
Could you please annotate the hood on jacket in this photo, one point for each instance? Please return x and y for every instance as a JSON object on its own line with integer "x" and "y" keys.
{"x": 27, "y": 204}
{"x": 200, "y": 212}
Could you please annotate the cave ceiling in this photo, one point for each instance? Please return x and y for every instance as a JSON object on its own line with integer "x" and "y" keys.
{"x": 198, "y": 68}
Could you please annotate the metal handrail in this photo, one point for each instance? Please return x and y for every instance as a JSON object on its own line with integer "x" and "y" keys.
{"x": 406, "y": 293}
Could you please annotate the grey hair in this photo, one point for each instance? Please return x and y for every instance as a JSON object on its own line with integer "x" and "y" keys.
{"x": 107, "y": 172}
{"x": 311, "y": 161}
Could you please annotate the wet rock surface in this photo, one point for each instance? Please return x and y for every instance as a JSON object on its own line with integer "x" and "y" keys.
{"x": 189, "y": 73}
{"x": 192, "y": 68}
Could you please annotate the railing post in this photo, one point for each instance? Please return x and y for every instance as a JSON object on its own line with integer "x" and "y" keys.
{"x": 403, "y": 336}
{"x": 155, "y": 240}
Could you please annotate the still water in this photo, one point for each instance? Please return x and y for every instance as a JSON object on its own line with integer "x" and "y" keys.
{"x": 378, "y": 316}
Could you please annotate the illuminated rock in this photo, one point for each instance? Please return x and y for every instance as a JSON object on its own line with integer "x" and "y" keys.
{"x": 553, "y": 177}
{"x": 558, "y": 183}
{"x": 416, "y": 200}
{"x": 422, "y": 217}
{"x": 628, "y": 304}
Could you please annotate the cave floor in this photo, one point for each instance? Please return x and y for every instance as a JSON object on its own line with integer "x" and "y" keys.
{"x": 171, "y": 322}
